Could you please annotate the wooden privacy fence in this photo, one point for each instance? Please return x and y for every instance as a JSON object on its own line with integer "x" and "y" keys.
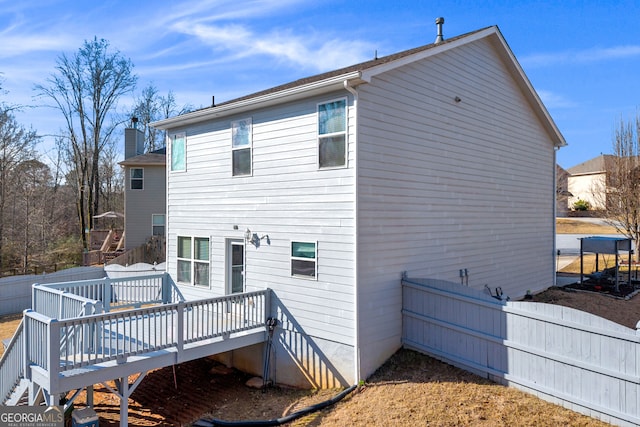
{"x": 566, "y": 356}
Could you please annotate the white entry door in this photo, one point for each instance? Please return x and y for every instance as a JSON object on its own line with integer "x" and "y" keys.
{"x": 235, "y": 266}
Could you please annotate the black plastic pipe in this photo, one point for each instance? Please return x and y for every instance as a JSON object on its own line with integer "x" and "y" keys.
{"x": 278, "y": 421}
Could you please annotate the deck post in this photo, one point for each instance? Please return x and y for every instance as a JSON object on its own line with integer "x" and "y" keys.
{"x": 267, "y": 305}
{"x": 124, "y": 401}
{"x": 90, "y": 396}
{"x": 106, "y": 299}
{"x": 166, "y": 289}
{"x": 180, "y": 310}
{"x": 26, "y": 351}
{"x": 53, "y": 363}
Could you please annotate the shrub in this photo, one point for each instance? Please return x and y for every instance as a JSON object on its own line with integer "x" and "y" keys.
{"x": 581, "y": 205}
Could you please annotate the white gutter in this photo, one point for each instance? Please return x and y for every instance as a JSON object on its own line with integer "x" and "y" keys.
{"x": 260, "y": 101}
{"x": 356, "y": 302}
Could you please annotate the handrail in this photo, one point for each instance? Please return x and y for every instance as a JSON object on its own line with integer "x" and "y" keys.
{"x": 125, "y": 292}
{"x": 99, "y": 338}
{"x": 59, "y": 304}
{"x": 12, "y": 363}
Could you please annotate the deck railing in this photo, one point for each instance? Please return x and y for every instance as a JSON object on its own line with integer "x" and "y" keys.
{"x": 59, "y": 304}
{"x": 62, "y": 345}
{"x": 126, "y": 292}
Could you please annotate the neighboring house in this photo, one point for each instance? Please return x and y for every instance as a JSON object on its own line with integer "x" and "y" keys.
{"x": 562, "y": 192}
{"x": 145, "y": 190}
{"x": 437, "y": 161}
{"x": 587, "y": 181}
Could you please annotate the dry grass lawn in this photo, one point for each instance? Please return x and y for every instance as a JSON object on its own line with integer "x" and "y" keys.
{"x": 409, "y": 389}
{"x": 574, "y": 226}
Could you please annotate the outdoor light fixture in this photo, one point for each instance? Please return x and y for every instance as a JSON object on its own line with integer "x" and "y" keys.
{"x": 254, "y": 239}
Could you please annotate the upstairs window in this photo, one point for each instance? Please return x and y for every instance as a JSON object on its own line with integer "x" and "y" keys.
{"x": 193, "y": 260}
{"x": 136, "y": 178}
{"x": 332, "y": 134}
{"x": 241, "y": 143}
{"x": 304, "y": 259}
{"x": 178, "y": 153}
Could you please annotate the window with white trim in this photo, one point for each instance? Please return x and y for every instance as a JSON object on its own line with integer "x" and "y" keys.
{"x": 304, "y": 259}
{"x": 332, "y": 134}
{"x": 178, "y": 152}
{"x": 241, "y": 144}
{"x": 136, "y": 178}
{"x": 193, "y": 260}
{"x": 157, "y": 224}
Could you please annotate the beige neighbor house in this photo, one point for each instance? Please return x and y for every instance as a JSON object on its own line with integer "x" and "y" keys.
{"x": 436, "y": 161}
{"x": 145, "y": 190}
{"x": 562, "y": 192}
{"x": 587, "y": 182}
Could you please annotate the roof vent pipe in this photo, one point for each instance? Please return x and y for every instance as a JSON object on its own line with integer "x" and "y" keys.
{"x": 439, "y": 37}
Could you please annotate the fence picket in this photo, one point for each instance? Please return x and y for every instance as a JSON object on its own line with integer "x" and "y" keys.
{"x": 567, "y": 356}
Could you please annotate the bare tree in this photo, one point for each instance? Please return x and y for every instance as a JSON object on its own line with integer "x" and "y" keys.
{"x": 86, "y": 88}
{"x": 32, "y": 190}
{"x": 150, "y": 106}
{"x": 622, "y": 182}
{"x": 17, "y": 145}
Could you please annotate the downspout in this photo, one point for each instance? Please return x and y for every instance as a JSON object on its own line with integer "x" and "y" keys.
{"x": 356, "y": 317}
{"x": 555, "y": 213}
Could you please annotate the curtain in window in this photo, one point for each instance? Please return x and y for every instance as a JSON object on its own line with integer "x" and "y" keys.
{"x": 241, "y": 133}
{"x": 201, "y": 248}
{"x": 178, "y": 161}
{"x": 184, "y": 247}
{"x": 332, "y": 117}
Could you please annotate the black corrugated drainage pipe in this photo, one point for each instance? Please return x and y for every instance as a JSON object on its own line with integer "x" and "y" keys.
{"x": 278, "y": 421}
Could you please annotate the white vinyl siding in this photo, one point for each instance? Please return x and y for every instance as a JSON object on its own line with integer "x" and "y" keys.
{"x": 465, "y": 184}
{"x": 287, "y": 198}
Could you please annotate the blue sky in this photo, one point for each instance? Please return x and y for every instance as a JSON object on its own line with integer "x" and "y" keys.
{"x": 582, "y": 57}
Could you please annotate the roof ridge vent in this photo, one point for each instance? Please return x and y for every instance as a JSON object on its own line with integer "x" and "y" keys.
{"x": 439, "y": 36}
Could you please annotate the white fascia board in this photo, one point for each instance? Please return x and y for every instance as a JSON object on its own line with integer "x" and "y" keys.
{"x": 262, "y": 101}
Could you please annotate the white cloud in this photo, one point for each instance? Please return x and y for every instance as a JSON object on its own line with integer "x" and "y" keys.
{"x": 580, "y": 57}
{"x": 555, "y": 100}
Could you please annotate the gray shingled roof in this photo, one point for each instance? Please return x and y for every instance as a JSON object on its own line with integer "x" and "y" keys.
{"x": 595, "y": 165}
{"x": 148, "y": 159}
{"x": 357, "y": 67}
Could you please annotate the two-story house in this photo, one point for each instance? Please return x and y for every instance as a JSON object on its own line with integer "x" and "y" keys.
{"x": 145, "y": 190}
{"x": 437, "y": 161}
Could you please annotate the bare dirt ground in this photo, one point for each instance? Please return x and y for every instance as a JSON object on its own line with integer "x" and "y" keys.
{"x": 410, "y": 389}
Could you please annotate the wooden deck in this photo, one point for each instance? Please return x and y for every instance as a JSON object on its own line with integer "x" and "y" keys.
{"x": 100, "y": 347}
{"x": 57, "y": 351}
